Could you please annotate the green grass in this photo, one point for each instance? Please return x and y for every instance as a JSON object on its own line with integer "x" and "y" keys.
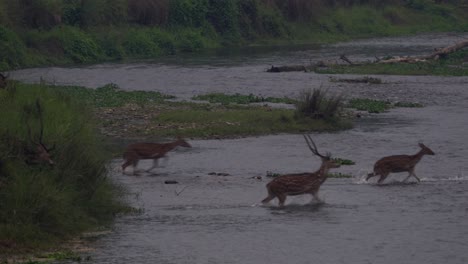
{"x": 339, "y": 175}
{"x": 343, "y": 161}
{"x": 369, "y": 105}
{"x": 237, "y": 121}
{"x": 241, "y": 99}
{"x": 378, "y": 106}
{"x": 111, "y": 96}
{"x": 43, "y": 205}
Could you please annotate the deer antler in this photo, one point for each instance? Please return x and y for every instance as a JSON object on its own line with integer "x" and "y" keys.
{"x": 313, "y": 147}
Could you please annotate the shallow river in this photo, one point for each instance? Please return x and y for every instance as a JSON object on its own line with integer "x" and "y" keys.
{"x": 217, "y": 219}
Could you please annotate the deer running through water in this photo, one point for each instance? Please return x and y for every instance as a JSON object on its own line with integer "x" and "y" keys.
{"x": 301, "y": 183}
{"x": 399, "y": 163}
{"x": 139, "y": 151}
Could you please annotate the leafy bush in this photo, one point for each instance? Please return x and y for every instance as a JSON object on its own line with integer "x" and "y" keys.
{"x": 103, "y": 12}
{"x": 78, "y": 45}
{"x": 223, "y": 15}
{"x": 140, "y": 44}
{"x": 148, "y": 12}
{"x": 189, "y": 40}
{"x": 188, "y": 12}
{"x": 12, "y": 50}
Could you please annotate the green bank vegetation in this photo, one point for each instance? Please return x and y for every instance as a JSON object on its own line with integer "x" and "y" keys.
{"x": 378, "y": 106}
{"x": 128, "y": 114}
{"x": 44, "y": 32}
{"x": 241, "y": 99}
{"x": 43, "y": 204}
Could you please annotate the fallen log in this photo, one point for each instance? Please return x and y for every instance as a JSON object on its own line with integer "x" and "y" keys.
{"x": 287, "y": 68}
{"x": 440, "y": 53}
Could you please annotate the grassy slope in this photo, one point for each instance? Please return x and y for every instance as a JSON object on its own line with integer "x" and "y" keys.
{"x": 99, "y": 42}
{"x": 41, "y": 205}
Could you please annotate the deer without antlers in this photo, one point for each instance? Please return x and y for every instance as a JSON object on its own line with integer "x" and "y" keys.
{"x": 138, "y": 151}
{"x": 301, "y": 183}
{"x": 399, "y": 163}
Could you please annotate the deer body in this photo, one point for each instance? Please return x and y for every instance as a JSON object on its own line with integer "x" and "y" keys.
{"x": 139, "y": 151}
{"x": 399, "y": 163}
{"x": 300, "y": 183}
{"x": 3, "y": 81}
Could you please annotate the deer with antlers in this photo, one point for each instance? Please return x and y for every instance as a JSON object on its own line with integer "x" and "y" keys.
{"x": 40, "y": 153}
{"x": 3, "y": 81}
{"x": 301, "y": 183}
{"x": 139, "y": 151}
{"x": 399, "y": 163}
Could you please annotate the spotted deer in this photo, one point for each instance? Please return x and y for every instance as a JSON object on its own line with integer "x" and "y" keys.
{"x": 40, "y": 153}
{"x": 3, "y": 81}
{"x": 140, "y": 151}
{"x": 399, "y": 163}
{"x": 301, "y": 183}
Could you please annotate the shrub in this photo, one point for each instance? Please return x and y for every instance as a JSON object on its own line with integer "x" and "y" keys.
{"x": 138, "y": 43}
{"x": 12, "y": 50}
{"x": 189, "y": 40}
{"x": 148, "y": 12}
{"x": 188, "y": 12}
{"x": 223, "y": 15}
{"x": 41, "y": 203}
{"x": 103, "y": 12}
{"x": 77, "y": 45}
{"x": 316, "y": 104}
{"x": 41, "y": 13}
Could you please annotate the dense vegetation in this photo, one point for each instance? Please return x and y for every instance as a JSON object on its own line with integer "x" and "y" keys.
{"x": 41, "y": 204}
{"x": 40, "y": 32}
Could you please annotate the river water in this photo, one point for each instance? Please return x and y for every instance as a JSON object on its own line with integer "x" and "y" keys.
{"x": 217, "y": 219}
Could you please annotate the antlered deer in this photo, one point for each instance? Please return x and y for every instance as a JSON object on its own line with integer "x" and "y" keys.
{"x": 40, "y": 153}
{"x": 301, "y": 183}
{"x": 399, "y": 163}
{"x": 3, "y": 81}
{"x": 138, "y": 151}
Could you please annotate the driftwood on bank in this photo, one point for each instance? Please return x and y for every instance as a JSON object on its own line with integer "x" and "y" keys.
{"x": 439, "y": 53}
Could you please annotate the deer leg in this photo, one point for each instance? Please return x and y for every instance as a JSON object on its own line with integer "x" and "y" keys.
{"x": 412, "y": 173}
{"x": 382, "y": 178}
{"x": 126, "y": 164}
{"x": 282, "y": 199}
{"x": 135, "y": 163}
{"x": 315, "y": 197}
{"x": 270, "y": 197}
{"x": 370, "y": 175}
{"x": 155, "y": 164}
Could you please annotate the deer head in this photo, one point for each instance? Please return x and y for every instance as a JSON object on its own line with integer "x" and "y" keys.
{"x": 327, "y": 161}
{"x": 40, "y": 153}
{"x": 426, "y": 150}
{"x": 181, "y": 142}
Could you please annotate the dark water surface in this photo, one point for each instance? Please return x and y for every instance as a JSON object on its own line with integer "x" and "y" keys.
{"x": 217, "y": 219}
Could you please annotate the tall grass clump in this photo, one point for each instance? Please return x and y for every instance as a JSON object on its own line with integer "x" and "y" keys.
{"x": 317, "y": 104}
{"x": 43, "y": 204}
{"x": 13, "y": 52}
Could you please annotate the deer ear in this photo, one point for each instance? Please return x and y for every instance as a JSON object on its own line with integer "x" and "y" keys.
{"x": 421, "y": 145}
